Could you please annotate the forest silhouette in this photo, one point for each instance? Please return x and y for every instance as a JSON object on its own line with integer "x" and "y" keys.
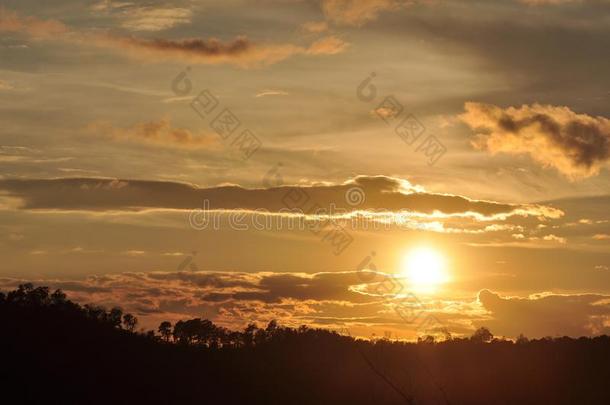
{"x": 57, "y": 351}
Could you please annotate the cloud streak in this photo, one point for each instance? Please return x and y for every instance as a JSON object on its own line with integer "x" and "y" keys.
{"x": 10, "y": 21}
{"x": 357, "y": 12}
{"x": 159, "y": 133}
{"x": 380, "y": 193}
{"x": 240, "y": 51}
{"x": 144, "y": 17}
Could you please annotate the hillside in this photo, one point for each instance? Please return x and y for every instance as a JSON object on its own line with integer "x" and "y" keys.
{"x": 56, "y": 351}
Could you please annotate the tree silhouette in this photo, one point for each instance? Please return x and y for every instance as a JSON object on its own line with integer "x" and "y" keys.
{"x": 521, "y": 339}
{"x": 58, "y": 297}
{"x": 165, "y": 330}
{"x": 248, "y": 334}
{"x": 55, "y": 348}
{"x": 130, "y": 322}
{"x": 115, "y": 316}
{"x": 482, "y": 335}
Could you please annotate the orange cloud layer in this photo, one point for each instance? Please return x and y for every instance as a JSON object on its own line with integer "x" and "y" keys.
{"x": 240, "y": 51}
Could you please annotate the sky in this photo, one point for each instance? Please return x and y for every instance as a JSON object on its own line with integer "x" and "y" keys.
{"x": 387, "y": 167}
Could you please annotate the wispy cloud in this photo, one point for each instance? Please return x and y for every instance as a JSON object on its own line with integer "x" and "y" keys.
{"x": 4, "y": 85}
{"x": 357, "y": 12}
{"x": 240, "y": 51}
{"x": 136, "y": 17}
{"x": 10, "y": 21}
{"x": 156, "y": 133}
{"x": 266, "y": 93}
{"x": 315, "y": 27}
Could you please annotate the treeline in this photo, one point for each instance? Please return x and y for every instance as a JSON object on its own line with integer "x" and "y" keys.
{"x": 26, "y": 295}
{"x": 203, "y": 332}
{"x": 53, "y": 350}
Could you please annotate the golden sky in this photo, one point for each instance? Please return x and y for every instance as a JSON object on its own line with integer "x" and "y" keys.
{"x": 385, "y": 166}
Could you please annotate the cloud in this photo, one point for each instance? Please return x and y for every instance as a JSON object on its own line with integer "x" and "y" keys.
{"x": 358, "y": 12}
{"x": 551, "y": 2}
{"x": 229, "y": 298}
{"x": 156, "y": 133}
{"x": 235, "y": 299}
{"x": 136, "y": 17}
{"x": 547, "y": 314}
{"x": 377, "y": 194}
{"x": 555, "y": 238}
{"x": 240, "y": 51}
{"x": 32, "y": 26}
{"x": 266, "y": 93}
{"x": 4, "y": 85}
{"x": 209, "y": 50}
{"x": 315, "y": 27}
{"x": 577, "y": 145}
{"x": 327, "y": 299}
{"x": 330, "y": 45}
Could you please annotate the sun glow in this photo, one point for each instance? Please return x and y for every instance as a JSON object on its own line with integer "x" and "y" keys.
{"x": 425, "y": 269}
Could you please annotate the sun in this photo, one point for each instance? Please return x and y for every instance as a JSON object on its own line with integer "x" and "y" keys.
{"x": 424, "y": 269}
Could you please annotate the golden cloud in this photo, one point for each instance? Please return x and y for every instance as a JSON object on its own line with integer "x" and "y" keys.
{"x": 577, "y": 145}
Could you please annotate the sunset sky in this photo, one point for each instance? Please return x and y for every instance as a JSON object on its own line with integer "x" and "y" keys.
{"x": 155, "y": 154}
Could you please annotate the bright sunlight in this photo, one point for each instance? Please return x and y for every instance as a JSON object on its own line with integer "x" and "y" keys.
{"x": 425, "y": 269}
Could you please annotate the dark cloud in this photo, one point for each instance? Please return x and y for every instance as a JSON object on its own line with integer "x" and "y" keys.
{"x": 319, "y": 287}
{"x": 375, "y": 193}
{"x": 552, "y": 54}
{"x": 240, "y": 51}
{"x": 195, "y": 48}
{"x": 547, "y": 314}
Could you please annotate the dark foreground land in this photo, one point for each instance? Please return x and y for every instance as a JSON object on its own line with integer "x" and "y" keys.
{"x": 55, "y": 351}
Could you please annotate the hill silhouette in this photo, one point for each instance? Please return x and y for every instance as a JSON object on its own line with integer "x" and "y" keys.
{"x": 56, "y": 351}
